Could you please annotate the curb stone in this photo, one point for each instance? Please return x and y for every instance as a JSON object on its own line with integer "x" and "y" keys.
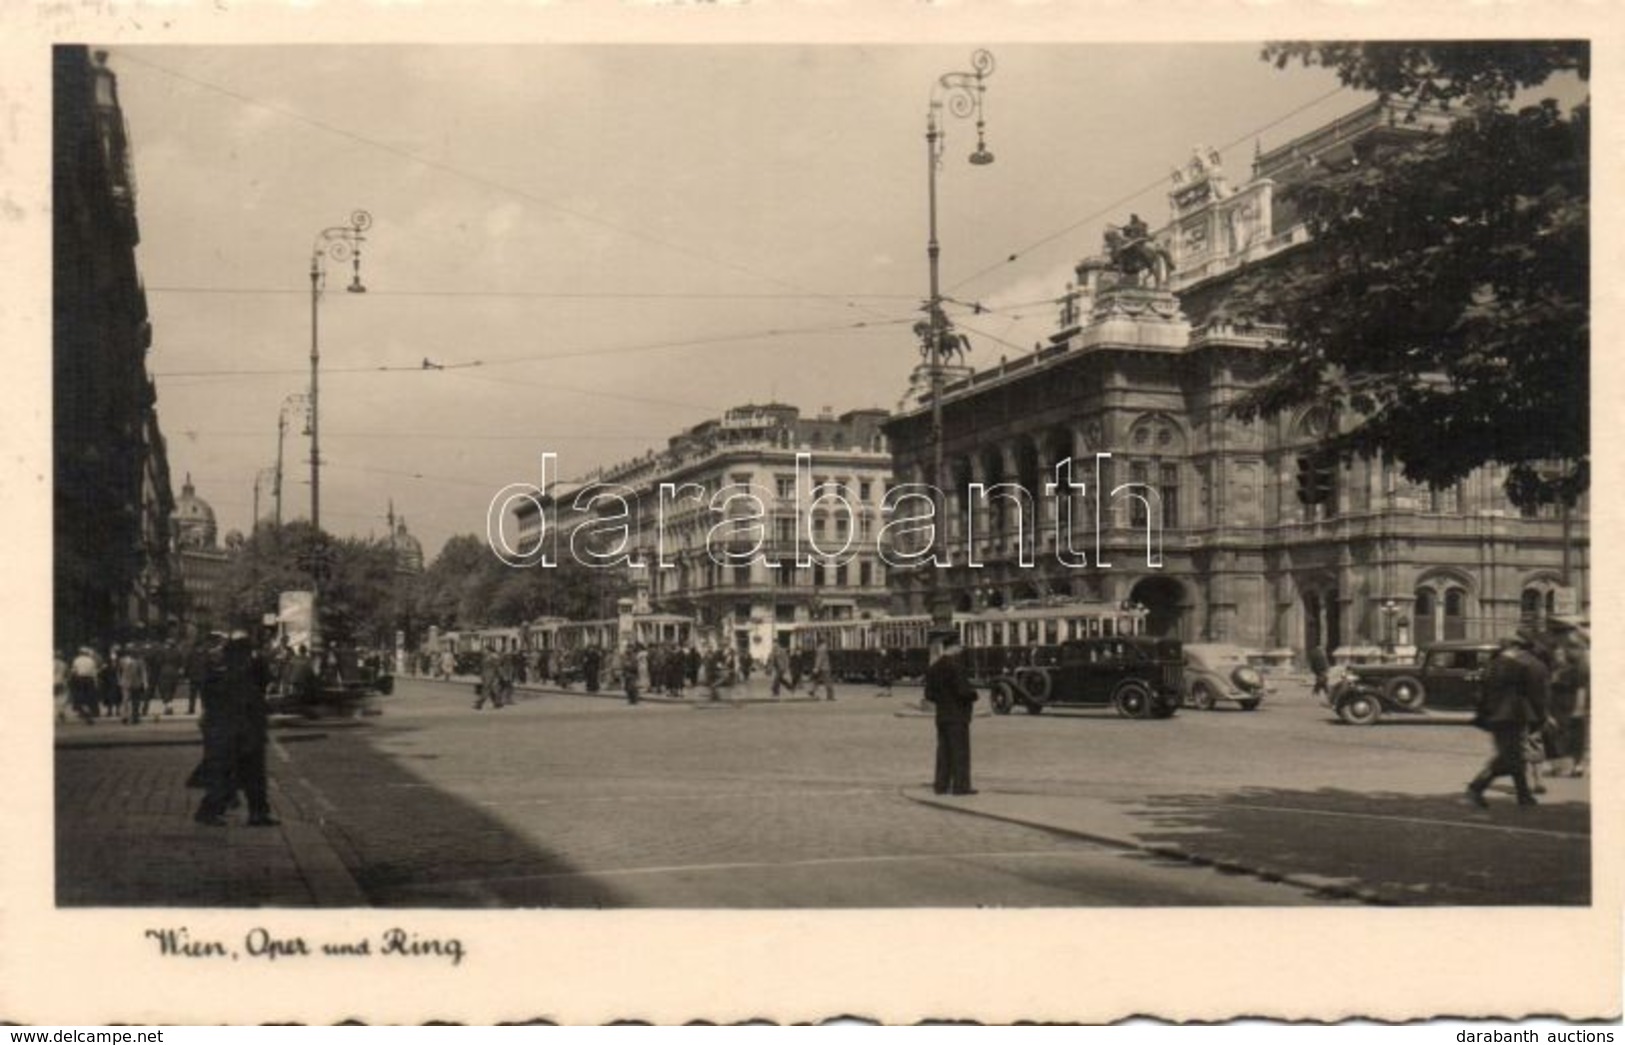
{"x": 1315, "y": 884}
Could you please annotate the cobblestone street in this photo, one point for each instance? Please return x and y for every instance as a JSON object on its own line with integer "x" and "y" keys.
{"x": 566, "y": 800}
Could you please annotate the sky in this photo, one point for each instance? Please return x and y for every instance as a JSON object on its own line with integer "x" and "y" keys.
{"x": 604, "y": 244}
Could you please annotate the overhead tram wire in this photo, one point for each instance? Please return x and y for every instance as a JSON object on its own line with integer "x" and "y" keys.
{"x": 544, "y": 357}
{"x": 555, "y": 387}
{"x": 549, "y": 295}
{"x": 1137, "y": 193}
{"x": 243, "y": 433}
{"x": 458, "y": 172}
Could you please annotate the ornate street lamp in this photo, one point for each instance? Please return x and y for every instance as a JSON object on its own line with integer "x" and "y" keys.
{"x": 961, "y": 93}
{"x": 341, "y": 243}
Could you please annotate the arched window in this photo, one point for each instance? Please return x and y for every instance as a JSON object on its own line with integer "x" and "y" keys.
{"x": 1455, "y": 614}
{"x": 1426, "y": 627}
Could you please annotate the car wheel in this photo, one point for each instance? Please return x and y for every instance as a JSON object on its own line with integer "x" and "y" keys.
{"x": 1036, "y": 683}
{"x": 1132, "y": 700}
{"x": 1202, "y": 696}
{"x": 1247, "y": 705}
{"x": 1405, "y": 692}
{"x": 1003, "y": 700}
{"x": 1359, "y": 709}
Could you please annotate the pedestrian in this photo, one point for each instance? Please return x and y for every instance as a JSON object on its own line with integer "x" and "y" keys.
{"x": 107, "y": 683}
{"x": 671, "y": 668}
{"x": 1320, "y": 666}
{"x": 592, "y": 667}
{"x": 948, "y": 686}
{"x": 642, "y": 665}
{"x": 301, "y": 677}
{"x": 196, "y": 666}
{"x": 1516, "y": 695}
{"x": 821, "y": 671}
{"x": 628, "y": 665}
{"x": 798, "y": 660}
{"x": 169, "y": 674}
{"x": 235, "y": 718}
{"x": 489, "y": 687}
{"x": 448, "y": 664}
{"x": 883, "y": 672}
{"x": 1577, "y": 737}
{"x": 132, "y": 684}
{"x": 691, "y": 665}
{"x": 778, "y": 664}
{"x": 83, "y": 674}
{"x": 716, "y": 673}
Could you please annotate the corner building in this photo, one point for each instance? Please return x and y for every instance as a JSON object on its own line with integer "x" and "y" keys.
{"x": 1145, "y": 373}
{"x": 747, "y": 606}
{"x": 112, "y": 500}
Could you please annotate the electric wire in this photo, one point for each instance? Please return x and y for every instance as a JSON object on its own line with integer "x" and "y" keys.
{"x": 1137, "y": 193}
{"x": 478, "y": 179}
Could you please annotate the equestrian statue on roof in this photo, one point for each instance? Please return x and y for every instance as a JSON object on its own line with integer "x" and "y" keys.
{"x": 1134, "y": 253}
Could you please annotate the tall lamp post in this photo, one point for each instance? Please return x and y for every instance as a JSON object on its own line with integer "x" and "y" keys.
{"x": 259, "y": 478}
{"x": 341, "y": 243}
{"x": 961, "y": 94}
{"x": 296, "y": 399}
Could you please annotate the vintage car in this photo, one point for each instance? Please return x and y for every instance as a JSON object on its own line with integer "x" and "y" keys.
{"x": 1216, "y": 671}
{"x": 1445, "y": 680}
{"x": 1138, "y": 676}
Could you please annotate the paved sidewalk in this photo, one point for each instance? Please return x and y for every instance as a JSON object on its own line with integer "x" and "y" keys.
{"x": 1381, "y": 848}
{"x": 125, "y": 835}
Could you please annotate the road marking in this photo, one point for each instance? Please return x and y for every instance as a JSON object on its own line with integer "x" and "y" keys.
{"x": 1093, "y": 851}
{"x": 1469, "y": 824}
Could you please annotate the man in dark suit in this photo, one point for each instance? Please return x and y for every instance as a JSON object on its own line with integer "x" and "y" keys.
{"x": 234, "y": 733}
{"x": 949, "y": 687}
{"x": 1517, "y": 692}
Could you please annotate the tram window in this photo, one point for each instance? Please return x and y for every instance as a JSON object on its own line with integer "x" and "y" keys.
{"x": 1108, "y": 627}
{"x": 998, "y": 634}
{"x": 1052, "y": 632}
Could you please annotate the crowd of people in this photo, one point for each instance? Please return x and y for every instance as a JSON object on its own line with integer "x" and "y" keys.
{"x": 636, "y": 669}
{"x": 226, "y": 677}
{"x": 123, "y": 682}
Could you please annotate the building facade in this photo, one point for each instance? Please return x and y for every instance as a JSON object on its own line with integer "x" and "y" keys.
{"x": 1262, "y": 541}
{"x": 112, "y": 499}
{"x": 792, "y": 466}
{"x": 200, "y": 561}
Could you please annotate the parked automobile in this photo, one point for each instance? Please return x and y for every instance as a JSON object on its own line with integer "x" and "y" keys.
{"x": 1216, "y": 671}
{"x": 1139, "y": 676}
{"x": 1446, "y": 678}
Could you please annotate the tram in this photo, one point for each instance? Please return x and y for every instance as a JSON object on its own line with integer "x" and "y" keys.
{"x": 995, "y": 641}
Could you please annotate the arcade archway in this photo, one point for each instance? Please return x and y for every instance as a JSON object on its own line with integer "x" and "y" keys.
{"x": 1163, "y": 598}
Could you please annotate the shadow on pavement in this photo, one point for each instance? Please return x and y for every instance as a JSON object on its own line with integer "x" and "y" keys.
{"x": 409, "y": 843}
{"x": 1404, "y": 848}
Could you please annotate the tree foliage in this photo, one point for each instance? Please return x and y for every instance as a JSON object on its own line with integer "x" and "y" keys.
{"x": 468, "y": 585}
{"x": 1442, "y": 304}
{"x": 363, "y": 599}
